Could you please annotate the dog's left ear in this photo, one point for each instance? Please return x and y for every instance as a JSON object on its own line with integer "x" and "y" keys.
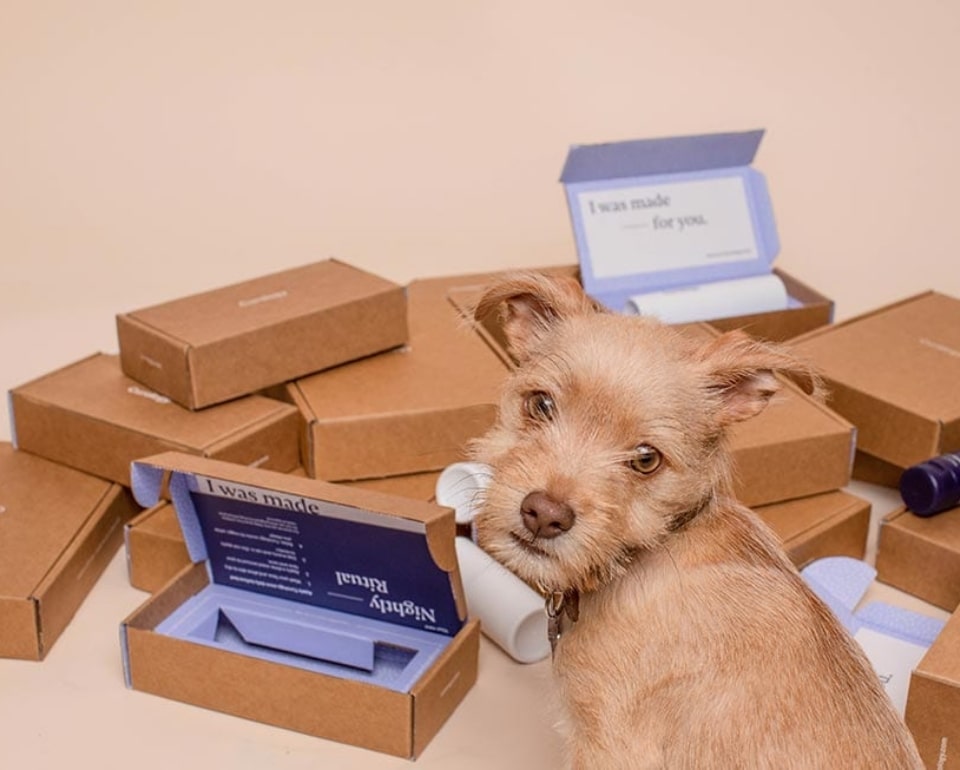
{"x": 742, "y": 371}
{"x": 530, "y": 304}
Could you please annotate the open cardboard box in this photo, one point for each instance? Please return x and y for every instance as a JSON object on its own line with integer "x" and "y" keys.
{"x": 921, "y": 555}
{"x": 933, "y": 700}
{"x": 156, "y": 551}
{"x": 59, "y": 528}
{"x": 92, "y": 417}
{"x": 689, "y": 219}
{"x": 407, "y": 411}
{"x": 893, "y": 373}
{"x": 333, "y": 611}
{"x": 829, "y": 524}
{"x": 211, "y": 347}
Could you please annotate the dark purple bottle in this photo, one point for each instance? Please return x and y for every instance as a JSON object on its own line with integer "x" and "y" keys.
{"x": 932, "y": 486}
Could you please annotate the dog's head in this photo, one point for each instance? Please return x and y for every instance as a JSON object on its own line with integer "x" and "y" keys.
{"x": 611, "y": 430}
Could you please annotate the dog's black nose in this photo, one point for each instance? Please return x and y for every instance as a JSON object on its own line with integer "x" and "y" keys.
{"x": 544, "y": 516}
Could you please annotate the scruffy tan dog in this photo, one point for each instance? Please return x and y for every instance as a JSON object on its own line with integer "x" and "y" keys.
{"x": 698, "y": 645}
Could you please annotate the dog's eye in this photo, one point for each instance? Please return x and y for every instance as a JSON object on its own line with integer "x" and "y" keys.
{"x": 646, "y": 459}
{"x": 539, "y": 406}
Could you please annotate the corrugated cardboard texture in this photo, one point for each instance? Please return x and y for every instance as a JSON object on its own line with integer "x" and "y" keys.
{"x": 830, "y": 524}
{"x": 921, "y": 555}
{"x": 92, "y": 417}
{"x": 893, "y": 373}
{"x": 406, "y": 411}
{"x": 156, "y": 551}
{"x": 338, "y": 709}
{"x": 933, "y": 701}
{"x": 208, "y": 348}
{"x": 58, "y": 531}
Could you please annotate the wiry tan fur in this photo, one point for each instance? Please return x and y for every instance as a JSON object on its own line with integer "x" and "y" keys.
{"x": 698, "y": 645}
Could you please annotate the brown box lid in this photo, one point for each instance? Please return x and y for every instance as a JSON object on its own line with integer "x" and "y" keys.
{"x": 59, "y": 528}
{"x": 921, "y": 555}
{"x": 828, "y": 524}
{"x": 893, "y": 373}
{"x": 90, "y": 416}
{"x": 208, "y": 348}
{"x": 933, "y": 700}
{"x": 406, "y": 411}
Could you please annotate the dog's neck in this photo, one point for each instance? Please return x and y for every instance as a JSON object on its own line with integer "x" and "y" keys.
{"x": 562, "y": 607}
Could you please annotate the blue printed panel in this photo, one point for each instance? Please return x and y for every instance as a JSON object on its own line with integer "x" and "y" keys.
{"x": 377, "y": 572}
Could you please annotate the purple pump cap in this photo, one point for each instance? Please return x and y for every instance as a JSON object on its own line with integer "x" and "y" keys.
{"x": 932, "y": 486}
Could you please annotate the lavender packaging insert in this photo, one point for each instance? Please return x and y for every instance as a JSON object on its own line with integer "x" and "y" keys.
{"x": 306, "y": 582}
{"x": 659, "y": 214}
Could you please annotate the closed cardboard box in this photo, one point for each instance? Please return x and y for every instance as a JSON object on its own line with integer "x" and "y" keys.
{"x": 333, "y": 611}
{"x": 92, "y": 417}
{"x": 933, "y": 701}
{"x": 59, "y": 528}
{"x": 407, "y": 411}
{"x": 829, "y": 524}
{"x": 893, "y": 373}
{"x": 211, "y": 347}
{"x": 921, "y": 555}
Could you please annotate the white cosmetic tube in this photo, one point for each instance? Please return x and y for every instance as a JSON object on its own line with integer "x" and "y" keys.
{"x": 460, "y": 486}
{"x": 711, "y": 301}
{"x": 511, "y": 613}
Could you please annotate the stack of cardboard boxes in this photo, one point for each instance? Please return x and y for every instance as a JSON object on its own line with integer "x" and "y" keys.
{"x": 329, "y": 374}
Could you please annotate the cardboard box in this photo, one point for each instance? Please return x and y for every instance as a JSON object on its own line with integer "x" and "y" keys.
{"x": 873, "y": 470}
{"x": 59, "y": 528}
{"x": 808, "y": 309}
{"x": 893, "y": 373}
{"x": 212, "y": 347}
{"x": 333, "y": 611}
{"x": 796, "y": 447}
{"x": 92, "y": 417}
{"x": 921, "y": 555}
{"x": 933, "y": 701}
{"x": 406, "y": 411}
{"x": 829, "y": 524}
{"x": 156, "y": 551}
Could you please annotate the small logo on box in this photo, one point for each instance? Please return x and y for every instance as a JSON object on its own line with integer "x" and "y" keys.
{"x": 133, "y": 390}
{"x": 262, "y": 298}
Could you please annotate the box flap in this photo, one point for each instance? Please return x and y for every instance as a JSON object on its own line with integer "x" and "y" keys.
{"x": 671, "y": 155}
{"x": 244, "y": 307}
{"x": 348, "y": 550}
{"x": 658, "y": 214}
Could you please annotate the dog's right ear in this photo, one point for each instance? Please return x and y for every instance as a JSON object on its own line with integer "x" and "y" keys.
{"x": 530, "y": 304}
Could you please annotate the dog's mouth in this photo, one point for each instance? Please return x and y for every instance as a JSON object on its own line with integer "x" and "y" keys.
{"x": 528, "y": 546}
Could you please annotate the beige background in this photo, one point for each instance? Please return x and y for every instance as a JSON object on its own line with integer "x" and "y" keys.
{"x": 153, "y": 149}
